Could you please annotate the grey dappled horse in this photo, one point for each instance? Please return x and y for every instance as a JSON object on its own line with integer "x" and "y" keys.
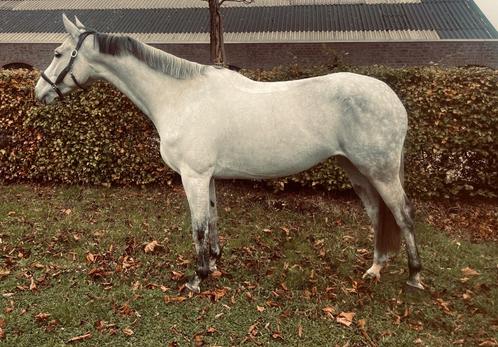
{"x": 216, "y": 123}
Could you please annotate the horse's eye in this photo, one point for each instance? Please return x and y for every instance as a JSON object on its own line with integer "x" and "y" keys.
{"x": 57, "y": 54}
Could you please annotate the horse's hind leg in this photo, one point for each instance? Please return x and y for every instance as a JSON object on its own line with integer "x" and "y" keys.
{"x": 214, "y": 243}
{"x": 375, "y": 209}
{"x": 391, "y": 191}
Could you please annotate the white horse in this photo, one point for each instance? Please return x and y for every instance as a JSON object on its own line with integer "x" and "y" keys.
{"x": 215, "y": 123}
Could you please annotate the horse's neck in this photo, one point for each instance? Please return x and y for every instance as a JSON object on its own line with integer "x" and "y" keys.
{"x": 144, "y": 86}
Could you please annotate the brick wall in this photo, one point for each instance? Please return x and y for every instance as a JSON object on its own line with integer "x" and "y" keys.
{"x": 35, "y": 54}
{"x": 266, "y": 55}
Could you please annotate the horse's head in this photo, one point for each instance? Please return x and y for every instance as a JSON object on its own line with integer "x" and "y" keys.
{"x": 70, "y": 68}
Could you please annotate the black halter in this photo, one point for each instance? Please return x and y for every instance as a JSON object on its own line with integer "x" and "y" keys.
{"x": 69, "y": 66}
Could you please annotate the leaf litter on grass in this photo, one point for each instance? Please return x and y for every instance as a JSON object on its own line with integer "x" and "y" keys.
{"x": 270, "y": 283}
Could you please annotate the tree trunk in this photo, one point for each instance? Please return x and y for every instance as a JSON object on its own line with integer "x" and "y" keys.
{"x": 216, "y": 33}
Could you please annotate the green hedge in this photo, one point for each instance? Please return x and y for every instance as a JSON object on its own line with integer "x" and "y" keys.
{"x": 99, "y": 137}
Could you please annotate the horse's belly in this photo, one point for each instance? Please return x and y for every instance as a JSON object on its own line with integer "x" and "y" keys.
{"x": 268, "y": 144}
{"x": 270, "y": 164}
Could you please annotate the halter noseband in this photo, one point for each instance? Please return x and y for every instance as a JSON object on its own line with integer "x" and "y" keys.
{"x": 68, "y": 68}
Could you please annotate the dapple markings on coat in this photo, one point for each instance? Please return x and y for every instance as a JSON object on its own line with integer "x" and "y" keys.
{"x": 216, "y": 123}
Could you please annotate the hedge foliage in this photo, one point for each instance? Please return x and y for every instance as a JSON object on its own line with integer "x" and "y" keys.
{"x": 99, "y": 137}
{"x": 92, "y": 137}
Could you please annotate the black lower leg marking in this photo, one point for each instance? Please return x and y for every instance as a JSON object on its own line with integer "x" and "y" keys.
{"x": 203, "y": 251}
{"x": 199, "y": 230}
{"x": 414, "y": 265}
{"x": 203, "y": 263}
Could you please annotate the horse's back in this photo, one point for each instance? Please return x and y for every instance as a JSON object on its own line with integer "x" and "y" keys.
{"x": 327, "y": 108}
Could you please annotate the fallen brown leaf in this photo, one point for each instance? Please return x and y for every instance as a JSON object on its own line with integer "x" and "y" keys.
{"x": 128, "y": 332}
{"x": 467, "y": 295}
{"x": 32, "y": 284}
{"x": 51, "y": 325}
{"x": 216, "y": 274}
{"x": 38, "y": 266}
{"x": 253, "y": 331}
{"x": 126, "y": 310}
{"x": 260, "y": 308}
{"x": 100, "y": 325}
{"x": 149, "y": 248}
{"x": 2, "y": 334}
{"x": 469, "y": 272}
{"x": 98, "y": 272}
{"x": 329, "y": 311}
{"x": 90, "y": 257}
{"x": 277, "y": 335}
{"x": 86, "y": 336}
{"x": 248, "y": 295}
{"x": 216, "y": 294}
{"x": 42, "y": 316}
{"x": 198, "y": 340}
{"x": 182, "y": 261}
{"x": 211, "y": 330}
{"x": 176, "y": 275}
{"x": 362, "y": 323}
{"x": 489, "y": 343}
{"x": 444, "y": 305}
{"x": 168, "y": 299}
{"x": 345, "y": 318}
{"x": 285, "y": 230}
{"x": 4, "y": 272}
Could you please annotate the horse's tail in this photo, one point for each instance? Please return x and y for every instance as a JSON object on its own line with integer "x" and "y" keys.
{"x": 388, "y": 238}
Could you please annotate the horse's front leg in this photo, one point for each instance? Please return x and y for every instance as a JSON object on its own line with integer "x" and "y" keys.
{"x": 197, "y": 189}
{"x": 214, "y": 242}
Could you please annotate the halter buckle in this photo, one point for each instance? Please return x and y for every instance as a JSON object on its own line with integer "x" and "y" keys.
{"x": 74, "y": 53}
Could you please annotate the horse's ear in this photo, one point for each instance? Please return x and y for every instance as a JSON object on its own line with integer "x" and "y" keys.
{"x": 78, "y": 23}
{"x": 70, "y": 27}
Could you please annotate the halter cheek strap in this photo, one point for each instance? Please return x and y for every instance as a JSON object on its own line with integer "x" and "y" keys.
{"x": 68, "y": 68}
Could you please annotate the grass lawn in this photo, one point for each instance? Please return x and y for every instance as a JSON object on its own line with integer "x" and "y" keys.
{"x": 102, "y": 266}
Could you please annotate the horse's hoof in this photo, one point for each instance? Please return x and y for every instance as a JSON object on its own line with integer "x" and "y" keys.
{"x": 193, "y": 285}
{"x": 212, "y": 265}
{"x": 193, "y": 288}
{"x": 412, "y": 284}
{"x": 373, "y": 272}
{"x": 371, "y": 275}
{"x": 415, "y": 282}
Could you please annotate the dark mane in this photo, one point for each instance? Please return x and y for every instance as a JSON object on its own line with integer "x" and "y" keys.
{"x": 118, "y": 45}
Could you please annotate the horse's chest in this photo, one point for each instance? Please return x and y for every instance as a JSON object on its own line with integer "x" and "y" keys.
{"x": 169, "y": 155}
